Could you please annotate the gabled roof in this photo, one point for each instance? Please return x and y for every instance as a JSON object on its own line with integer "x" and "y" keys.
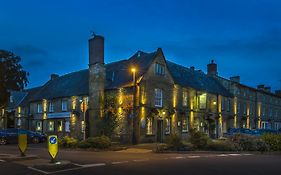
{"x": 197, "y": 80}
{"x": 118, "y": 74}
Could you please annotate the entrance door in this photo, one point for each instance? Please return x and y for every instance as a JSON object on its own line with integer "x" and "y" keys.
{"x": 160, "y": 131}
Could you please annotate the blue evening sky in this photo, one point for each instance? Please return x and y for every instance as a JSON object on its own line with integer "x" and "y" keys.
{"x": 242, "y": 36}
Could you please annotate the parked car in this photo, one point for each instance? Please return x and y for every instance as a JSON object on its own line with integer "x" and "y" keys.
{"x": 233, "y": 131}
{"x": 260, "y": 132}
{"x": 11, "y": 136}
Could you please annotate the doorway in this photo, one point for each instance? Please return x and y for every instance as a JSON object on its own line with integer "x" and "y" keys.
{"x": 160, "y": 131}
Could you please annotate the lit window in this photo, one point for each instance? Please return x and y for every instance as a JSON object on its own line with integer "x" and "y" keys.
{"x": 184, "y": 125}
{"x": 51, "y": 125}
{"x": 168, "y": 126}
{"x": 184, "y": 98}
{"x": 60, "y": 126}
{"x": 158, "y": 97}
{"x": 51, "y": 107}
{"x": 159, "y": 69}
{"x": 149, "y": 126}
{"x": 64, "y": 105}
{"x": 39, "y": 108}
{"x": 202, "y": 101}
{"x": 38, "y": 126}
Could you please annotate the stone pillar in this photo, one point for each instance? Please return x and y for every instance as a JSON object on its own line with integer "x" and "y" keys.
{"x": 96, "y": 83}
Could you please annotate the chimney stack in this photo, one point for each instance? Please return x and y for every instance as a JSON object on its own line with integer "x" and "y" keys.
{"x": 54, "y": 76}
{"x": 97, "y": 77}
{"x": 212, "y": 68}
{"x": 235, "y": 79}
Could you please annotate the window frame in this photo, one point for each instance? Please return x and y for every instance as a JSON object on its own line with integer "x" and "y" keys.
{"x": 158, "y": 97}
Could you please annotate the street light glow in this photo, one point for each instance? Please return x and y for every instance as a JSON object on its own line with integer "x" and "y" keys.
{"x": 133, "y": 70}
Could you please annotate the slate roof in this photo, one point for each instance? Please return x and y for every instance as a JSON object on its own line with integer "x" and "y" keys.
{"x": 18, "y": 97}
{"x": 197, "y": 80}
{"x": 118, "y": 75}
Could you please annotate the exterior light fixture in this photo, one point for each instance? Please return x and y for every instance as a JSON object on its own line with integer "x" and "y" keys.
{"x": 133, "y": 70}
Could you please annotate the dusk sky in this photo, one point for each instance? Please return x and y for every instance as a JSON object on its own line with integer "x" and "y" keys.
{"x": 242, "y": 36}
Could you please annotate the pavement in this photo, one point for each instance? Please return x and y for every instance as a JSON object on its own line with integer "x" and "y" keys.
{"x": 137, "y": 160}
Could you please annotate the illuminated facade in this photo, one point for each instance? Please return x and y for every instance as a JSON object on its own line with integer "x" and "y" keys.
{"x": 169, "y": 98}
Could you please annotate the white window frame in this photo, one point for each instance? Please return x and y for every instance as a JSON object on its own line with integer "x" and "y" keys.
{"x": 51, "y": 125}
{"x": 184, "y": 98}
{"x": 184, "y": 125}
{"x": 64, "y": 105}
{"x": 168, "y": 126}
{"x": 158, "y": 97}
{"x": 39, "y": 108}
{"x": 51, "y": 107}
{"x": 159, "y": 69}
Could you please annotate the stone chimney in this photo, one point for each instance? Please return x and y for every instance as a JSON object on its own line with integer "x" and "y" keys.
{"x": 96, "y": 83}
{"x": 54, "y": 76}
{"x": 212, "y": 68}
{"x": 267, "y": 89}
{"x": 192, "y": 68}
{"x": 278, "y": 92}
{"x": 260, "y": 87}
{"x": 235, "y": 79}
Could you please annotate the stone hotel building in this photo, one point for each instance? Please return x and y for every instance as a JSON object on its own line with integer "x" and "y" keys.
{"x": 151, "y": 96}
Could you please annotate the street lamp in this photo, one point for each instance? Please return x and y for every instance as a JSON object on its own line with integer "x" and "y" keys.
{"x": 135, "y": 121}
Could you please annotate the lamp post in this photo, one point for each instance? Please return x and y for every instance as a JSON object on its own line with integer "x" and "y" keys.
{"x": 135, "y": 119}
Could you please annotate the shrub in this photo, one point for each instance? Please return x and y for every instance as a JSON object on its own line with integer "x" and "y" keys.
{"x": 160, "y": 148}
{"x": 273, "y": 140}
{"x": 84, "y": 144}
{"x": 68, "y": 142}
{"x": 198, "y": 139}
{"x": 221, "y": 145}
{"x": 174, "y": 142}
{"x": 249, "y": 143}
{"x": 101, "y": 142}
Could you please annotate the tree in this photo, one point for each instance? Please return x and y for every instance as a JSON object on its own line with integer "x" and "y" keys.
{"x": 12, "y": 76}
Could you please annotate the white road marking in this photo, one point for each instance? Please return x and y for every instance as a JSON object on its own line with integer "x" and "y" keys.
{"x": 93, "y": 165}
{"x": 40, "y": 171}
{"x": 234, "y": 154}
{"x": 193, "y": 157}
{"x": 247, "y": 154}
{"x": 141, "y": 160}
{"x": 121, "y": 162}
{"x": 222, "y": 155}
{"x": 179, "y": 157}
{"x": 2, "y": 160}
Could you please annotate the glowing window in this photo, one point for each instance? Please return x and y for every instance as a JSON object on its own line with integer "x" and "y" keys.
{"x": 184, "y": 125}
{"x": 168, "y": 126}
{"x": 51, "y": 125}
{"x": 149, "y": 126}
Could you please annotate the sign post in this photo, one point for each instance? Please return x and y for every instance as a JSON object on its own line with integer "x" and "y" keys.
{"x": 22, "y": 143}
{"x": 53, "y": 147}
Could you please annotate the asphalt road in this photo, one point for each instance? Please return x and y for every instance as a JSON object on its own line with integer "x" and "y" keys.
{"x": 144, "y": 163}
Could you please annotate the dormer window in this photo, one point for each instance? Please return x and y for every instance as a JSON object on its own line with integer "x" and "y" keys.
{"x": 159, "y": 69}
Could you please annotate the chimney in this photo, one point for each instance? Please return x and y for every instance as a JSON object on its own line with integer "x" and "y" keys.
{"x": 54, "y": 76}
{"x": 96, "y": 49}
{"x": 235, "y": 79}
{"x": 260, "y": 87}
{"x": 267, "y": 89}
{"x": 212, "y": 68}
{"x": 192, "y": 68}
{"x": 97, "y": 78}
{"x": 278, "y": 92}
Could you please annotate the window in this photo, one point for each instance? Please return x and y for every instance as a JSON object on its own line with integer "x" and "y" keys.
{"x": 149, "y": 126}
{"x": 184, "y": 125}
{"x": 184, "y": 98}
{"x": 39, "y": 108}
{"x": 159, "y": 69}
{"x": 238, "y": 108}
{"x": 64, "y": 105}
{"x": 270, "y": 112}
{"x": 168, "y": 126}
{"x": 67, "y": 126}
{"x": 51, "y": 107}
{"x": 59, "y": 126}
{"x": 202, "y": 101}
{"x": 51, "y": 125}
{"x": 158, "y": 97}
{"x": 263, "y": 111}
{"x": 11, "y": 99}
{"x": 228, "y": 105}
{"x": 265, "y": 125}
{"x": 38, "y": 126}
